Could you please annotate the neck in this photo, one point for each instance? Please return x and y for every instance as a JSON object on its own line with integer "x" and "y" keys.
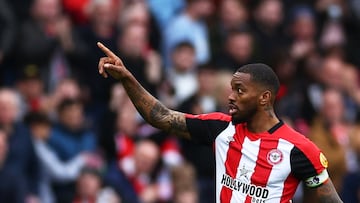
{"x": 263, "y": 121}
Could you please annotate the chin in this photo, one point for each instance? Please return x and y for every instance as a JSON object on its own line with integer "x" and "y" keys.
{"x": 237, "y": 120}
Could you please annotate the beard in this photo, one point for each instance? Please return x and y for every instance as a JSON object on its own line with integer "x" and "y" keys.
{"x": 237, "y": 120}
{"x": 243, "y": 117}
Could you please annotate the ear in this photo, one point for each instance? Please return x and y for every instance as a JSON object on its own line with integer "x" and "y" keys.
{"x": 265, "y": 97}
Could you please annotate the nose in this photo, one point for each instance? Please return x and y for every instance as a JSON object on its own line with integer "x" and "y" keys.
{"x": 231, "y": 97}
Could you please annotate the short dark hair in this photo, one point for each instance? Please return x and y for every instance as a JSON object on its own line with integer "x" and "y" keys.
{"x": 262, "y": 74}
{"x": 65, "y": 103}
{"x": 182, "y": 44}
{"x": 191, "y": 1}
{"x": 37, "y": 117}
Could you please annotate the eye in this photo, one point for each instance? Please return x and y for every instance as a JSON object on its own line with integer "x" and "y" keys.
{"x": 240, "y": 91}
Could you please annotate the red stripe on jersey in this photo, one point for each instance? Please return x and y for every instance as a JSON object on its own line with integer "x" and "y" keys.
{"x": 211, "y": 116}
{"x": 290, "y": 186}
{"x": 262, "y": 168}
{"x": 233, "y": 157}
{"x": 310, "y": 150}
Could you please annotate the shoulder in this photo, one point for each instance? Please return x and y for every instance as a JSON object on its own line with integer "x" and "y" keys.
{"x": 210, "y": 116}
{"x": 304, "y": 153}
{"x": 301, "y": 143}
{"x": 299, "y": 140}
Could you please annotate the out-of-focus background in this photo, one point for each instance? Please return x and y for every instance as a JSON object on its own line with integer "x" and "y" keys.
{"x": 68, "y": 135}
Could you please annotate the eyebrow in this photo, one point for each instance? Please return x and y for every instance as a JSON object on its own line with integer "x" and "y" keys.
{"x": 238, "y": 84}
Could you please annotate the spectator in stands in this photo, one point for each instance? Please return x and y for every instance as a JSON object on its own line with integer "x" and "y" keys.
{"x": 291, "y": 96}
{"x": 142, "y": 180}
{"x": 69, "y": 138}
{"x": 237, "y": 50}
{"x": 137, "y": 12}
{"x": 330, "y": 132}
{"x": 268, "y": 28}
{"x": 7, "y": 37}
{"x": 48, "y": 40}
{"x": 107, "y": 125}
{"x": 31, "y": 88}
{"x": 184, "y": 184}
{"x": 203, "y": 100}
{"x": 351, "y": 184}
{"x": 145, "y": 177}
{"x": 182, "y": 75}
{"x": 7, "y": 33}
{"x": 303, "y": 30}
{"x": 351, "y": 87}
{"x": 52, "y": 168}
{"x": 164, "y": 11}
{"x": 189, "y": 26}
{"x": 118, "y": 115}
{"x": 12, "y": 188}
{"x": 67, "y": 88}
{"x": 89, "y": 188}
{"x": 133, "y": 46}
{"x": 352, "y": 30}
{"x": 78, "y": 10}
{"x": 102, "y": 26}
{"x": 335, "y": 72}
{"x": 222, "y": 88}
{"x": 233, "y": 14}
{"x": 202, "y": 157}
{"x": 21, "y": 157}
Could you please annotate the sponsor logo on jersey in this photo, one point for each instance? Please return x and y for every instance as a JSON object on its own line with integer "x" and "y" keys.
{"x": 257, "y": 193}
{"x": 243, "y": 174}
{"x": 230, "y": 139}
{"x": 323, "y": 160}
{"x": 274, "y": 156}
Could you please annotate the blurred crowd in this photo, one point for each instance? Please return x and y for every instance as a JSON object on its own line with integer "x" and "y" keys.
{"x": 68, "y": 135}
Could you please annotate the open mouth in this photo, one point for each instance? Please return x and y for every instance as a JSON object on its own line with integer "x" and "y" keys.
{"x": 232, "y": 109}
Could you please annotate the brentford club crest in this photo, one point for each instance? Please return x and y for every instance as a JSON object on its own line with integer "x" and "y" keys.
{"x": 275, "y": 156}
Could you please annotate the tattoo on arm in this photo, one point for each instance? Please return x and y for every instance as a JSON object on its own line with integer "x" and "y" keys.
{"x": 154, "y": 112}
{"x": 168, "y": 120}
{"x": 327, "y": 194}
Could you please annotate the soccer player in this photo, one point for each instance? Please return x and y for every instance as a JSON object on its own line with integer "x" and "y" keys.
{"x": 258, "y": 157}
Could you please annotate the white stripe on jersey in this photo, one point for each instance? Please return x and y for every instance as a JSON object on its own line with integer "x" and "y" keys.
{"x": 279, "y": 171}
{"x": 246, "y": 166}
{"x": 221, "y": 148}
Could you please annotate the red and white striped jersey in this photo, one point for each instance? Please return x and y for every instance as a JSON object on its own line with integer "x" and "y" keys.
{"x": 258, "y": 168}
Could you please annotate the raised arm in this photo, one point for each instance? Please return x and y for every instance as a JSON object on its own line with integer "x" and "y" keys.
{"x": 151, "y": 109}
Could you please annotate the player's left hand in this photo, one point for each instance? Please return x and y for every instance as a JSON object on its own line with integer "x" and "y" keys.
{"x": 111, "y": 64}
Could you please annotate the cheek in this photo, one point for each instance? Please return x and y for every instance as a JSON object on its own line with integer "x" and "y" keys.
{"x": 246, "y": 103}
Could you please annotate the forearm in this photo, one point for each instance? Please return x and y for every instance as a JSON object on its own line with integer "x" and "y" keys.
{"x": 152, "y": 110}
{"x": 148, "y": 106}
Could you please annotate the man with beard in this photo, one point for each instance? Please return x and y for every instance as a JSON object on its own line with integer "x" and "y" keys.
{"x": 259, "y": 158}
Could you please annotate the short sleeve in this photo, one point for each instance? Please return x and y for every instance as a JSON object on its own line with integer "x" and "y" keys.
{"x": 205, "y": 128}
{"x": 309, "y": 166}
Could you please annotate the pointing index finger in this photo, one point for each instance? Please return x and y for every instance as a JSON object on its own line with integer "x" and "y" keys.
{"x": 107, "y": 51}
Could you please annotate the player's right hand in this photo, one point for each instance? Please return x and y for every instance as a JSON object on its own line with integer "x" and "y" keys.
{"x": 111, "y": 64}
